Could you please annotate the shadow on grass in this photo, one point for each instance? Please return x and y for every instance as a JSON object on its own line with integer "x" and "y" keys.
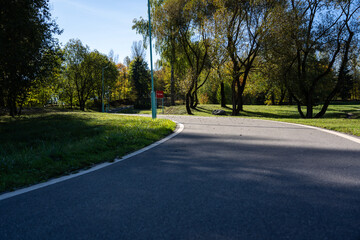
{"x": 247, "y": 113}
{"x": 228, "y": 110}
{"x": 201, "y": 109}
{"x": 37, "y": 148}
{"x": 130, "y": 111}
{"x": 268, "y": 115}
{"x": 46, "y": 127}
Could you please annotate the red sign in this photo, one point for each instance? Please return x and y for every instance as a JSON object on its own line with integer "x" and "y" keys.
{"x": 160, "y": 94}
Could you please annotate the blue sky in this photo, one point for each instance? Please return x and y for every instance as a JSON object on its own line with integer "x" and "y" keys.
{"x": 102, "y": 25}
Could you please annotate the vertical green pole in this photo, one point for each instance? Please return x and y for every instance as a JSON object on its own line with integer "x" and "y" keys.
{"x": 153, "y": 100}
{"x": 109, "y": 100}
{"x": 102, "y": 92}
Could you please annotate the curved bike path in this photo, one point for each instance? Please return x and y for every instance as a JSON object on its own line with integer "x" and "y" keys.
{"x": 221, "y": 178}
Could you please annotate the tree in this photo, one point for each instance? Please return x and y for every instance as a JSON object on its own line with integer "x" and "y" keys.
{"x": 67, "y": 89}
{"x": 28, "y": 50}
{"x": 84, "y": 70}
{"x": 137, "y": 50}
{"x": 113, "y": 57}
{"x": 194, "y": 41}
{"x": 315, "y": 43}
{"x": 75, "y": 54}
{"x": 271, "y": 76}
{"x": 355, "y": 75}
{"x": 45, "y": 90}
{"x": 98, "y": 63}
{"x": 243, "y": 25}
{"x": 140, "y": 78}
{"x": 127, "y": 61}
{"x": 123, "y": 83}
{"x": 218, "y": 54}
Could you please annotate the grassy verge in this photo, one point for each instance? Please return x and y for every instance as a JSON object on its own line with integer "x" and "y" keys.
{"x": 335, "y": 119}
{"x": 38, "y": 147}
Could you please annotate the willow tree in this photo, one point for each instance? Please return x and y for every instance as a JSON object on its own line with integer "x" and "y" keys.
{"x": 312, "y": 40}
{"x": 194, "y": 39}
{"x": 179, "y": 27}
{"x": 218, "y": 54}
{"x": 244, "y": 24}
{"x": 165, "y": 32}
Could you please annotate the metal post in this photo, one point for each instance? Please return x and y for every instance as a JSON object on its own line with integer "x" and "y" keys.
{"x": 153, "y": 98}
{"x": 102, "y": 92}
{"x": 109, "y": 99}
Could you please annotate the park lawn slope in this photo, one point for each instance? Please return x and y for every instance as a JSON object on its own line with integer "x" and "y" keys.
{"x": 38, "y": 147}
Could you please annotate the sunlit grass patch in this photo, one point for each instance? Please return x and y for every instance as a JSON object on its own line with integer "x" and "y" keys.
{"x": 36, "y": 148}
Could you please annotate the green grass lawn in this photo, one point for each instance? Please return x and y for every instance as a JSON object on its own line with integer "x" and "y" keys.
{"x": 37, "y": 147}
{"x": 336, "y": 117}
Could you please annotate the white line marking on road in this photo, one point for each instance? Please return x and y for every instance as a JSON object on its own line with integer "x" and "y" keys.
{"x": 343, "y": 135}
{"x": 180, "y": 128}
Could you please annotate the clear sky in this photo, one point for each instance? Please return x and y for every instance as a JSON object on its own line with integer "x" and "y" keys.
{"x": 102, "y": 25}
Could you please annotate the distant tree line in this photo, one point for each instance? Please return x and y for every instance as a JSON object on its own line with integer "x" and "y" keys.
{"x": 228, "y": 52}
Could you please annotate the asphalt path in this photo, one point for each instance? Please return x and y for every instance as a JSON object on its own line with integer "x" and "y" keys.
{"x": 221, "y": 178}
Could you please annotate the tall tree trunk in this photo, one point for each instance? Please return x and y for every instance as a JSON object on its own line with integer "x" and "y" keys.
{"x": 240, "y": 102}
{"x": 82, "y": 105}
{"x": 309, "y": 105}
{"x": 236, "y": 97}
{"x": 196, "y": 100}
{"x": 187, "y": 102}
{"x": 299, "y": 110}
{"x": 292, "y": 96}
{"x": 309, "y": 110}
{"x": 193, "y": 95}
{"x": 222, "y": 92}
{"x": 172, "y": 86}
{"x": 323, "y": 109}
{"x": 241, "y": 86}
{"x": 233, "y": 97}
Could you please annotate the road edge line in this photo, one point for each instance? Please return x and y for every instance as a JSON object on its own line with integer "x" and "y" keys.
{"x": 339, "y": 134}
{"x": 179, "y": 129}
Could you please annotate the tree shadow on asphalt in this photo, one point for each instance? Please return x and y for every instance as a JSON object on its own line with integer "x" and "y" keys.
{"x": 197, "y": 187}
{"x": 252, "y": 189}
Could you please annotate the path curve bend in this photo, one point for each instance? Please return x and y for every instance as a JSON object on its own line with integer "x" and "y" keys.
{"x": 221, "y": 178}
